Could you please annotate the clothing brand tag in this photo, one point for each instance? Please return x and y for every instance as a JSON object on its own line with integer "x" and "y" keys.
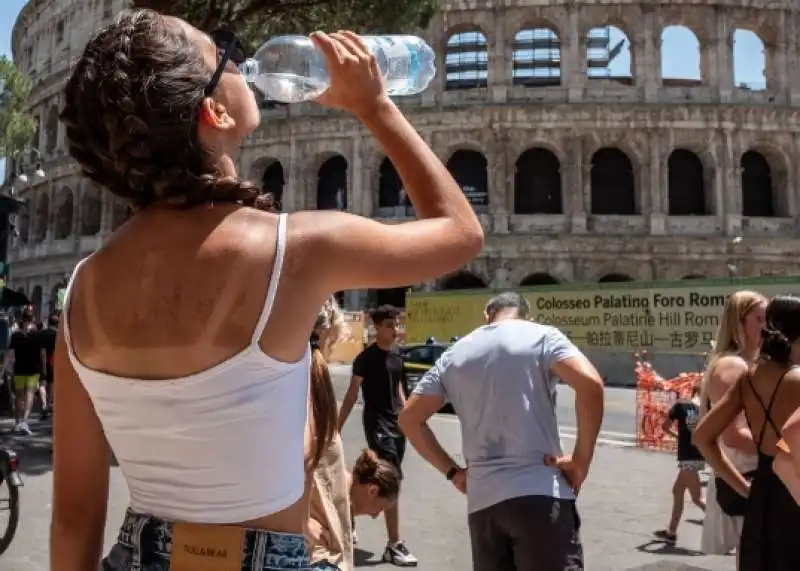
{"x": 206, "y": 547}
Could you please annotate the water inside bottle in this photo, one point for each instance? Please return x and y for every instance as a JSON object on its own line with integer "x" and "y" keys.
{"x": 289, "y": 87}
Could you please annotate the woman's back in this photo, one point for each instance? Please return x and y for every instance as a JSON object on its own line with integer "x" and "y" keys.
{"x": 204, "y": 414}
{"x": 770, "y": 394}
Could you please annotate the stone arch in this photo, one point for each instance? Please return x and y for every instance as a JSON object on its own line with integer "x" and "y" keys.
{"x": 471, "y": 171}
{"x": 615, "y": 277}
{"x": 537, "y": 182}
{"x": 680, "y": 71}
{"x": 332, "y": 184}
{"x": 91, "y": 213}
{"x": 608, "y": 54}
{"x": 466, "y": 59}
{"x": 687, "y": 194}
{"x": 42, "y": 219}
{"x": 51, "y": 130}
{"x": 758, "y": 185}
{"x": 62, "y": 225}
{"x": 273, "y": 181}
{"x": 36, "y": 302}
{"x": 462, "y": 280}
{"x": 537, "y": 279}
{"x": 391, "y": 193}
{"x": 613, "y": 183}
{"x": 752, "y": 43}
{"x": 536, "y": 57}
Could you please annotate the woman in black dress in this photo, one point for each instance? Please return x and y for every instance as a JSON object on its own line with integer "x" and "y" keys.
{"x": 769, "y": 393}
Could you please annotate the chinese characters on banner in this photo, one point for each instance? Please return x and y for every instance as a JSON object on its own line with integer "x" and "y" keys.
{"x": 669, "y": 317}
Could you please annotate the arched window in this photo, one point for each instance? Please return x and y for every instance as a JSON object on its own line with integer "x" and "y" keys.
{"x": 91, "y": 212}
{"x": 757, "y": 185}
{"x": 466, "y": 60}
{"x": 390, "y": 188}
{"x": 470, "y": 169}
{"x": 273, "y": 182}
{"x": 537, "y": 58}
{"x": 463, "y": 280}
{"x": 538, "y": 279}
{"x": 63, "y": 222}
{"x": 612, "y": 183}
{"x": 42, "y": 218}
{"x": 686, "y": 189}
{"x": 537, "y": 183}
{"x": 615, "y": 278}
{"x": 332, "y": 184}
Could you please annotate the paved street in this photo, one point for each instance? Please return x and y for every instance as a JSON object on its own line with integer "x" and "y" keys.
{"x": 626, "y": 497}
{"x": 619, "y": 422}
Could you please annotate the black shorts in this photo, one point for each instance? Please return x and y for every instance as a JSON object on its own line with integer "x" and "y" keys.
{"x": 528, "y": 533}
{"x": 389, "y": 445}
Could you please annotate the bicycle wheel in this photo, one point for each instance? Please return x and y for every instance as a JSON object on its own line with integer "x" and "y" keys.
{"x": 9, "y": 513}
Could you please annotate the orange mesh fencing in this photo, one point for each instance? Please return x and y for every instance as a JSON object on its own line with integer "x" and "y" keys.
{"x": 654, "y": 398}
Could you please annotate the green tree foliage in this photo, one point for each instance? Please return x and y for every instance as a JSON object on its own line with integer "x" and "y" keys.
{"x": 256, "y": 20}
{"x": 17, "y": 124}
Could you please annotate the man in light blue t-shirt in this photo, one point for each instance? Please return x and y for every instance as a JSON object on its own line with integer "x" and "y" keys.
{"x": 501, "y": 380}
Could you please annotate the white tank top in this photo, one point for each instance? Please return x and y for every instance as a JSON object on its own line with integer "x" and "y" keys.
{"x": 221, "y": 446}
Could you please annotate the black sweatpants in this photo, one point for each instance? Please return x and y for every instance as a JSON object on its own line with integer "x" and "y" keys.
{"x": 528, "y": 533}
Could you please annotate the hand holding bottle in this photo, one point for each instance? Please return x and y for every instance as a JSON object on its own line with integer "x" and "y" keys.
{"x": 356, "y": 84}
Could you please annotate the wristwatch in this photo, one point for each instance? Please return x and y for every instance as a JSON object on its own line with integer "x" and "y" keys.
{"x": 451, "y": 473}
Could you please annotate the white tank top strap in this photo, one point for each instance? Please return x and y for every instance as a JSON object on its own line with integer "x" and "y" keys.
{"x": 65, "y": 309}
{"x": 274, "y": 279}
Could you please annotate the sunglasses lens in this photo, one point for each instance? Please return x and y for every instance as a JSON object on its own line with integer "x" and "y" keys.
{"x": 223, "y": 39}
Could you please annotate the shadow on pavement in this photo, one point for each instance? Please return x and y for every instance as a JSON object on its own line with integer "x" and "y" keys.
{"x": 658, "y": 547}
{"x": 364, "y": 558}
{"x": 35, "y": 452}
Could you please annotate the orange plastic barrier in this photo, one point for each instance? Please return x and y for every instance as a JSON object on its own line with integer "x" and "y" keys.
{"x": 654, "y": 398}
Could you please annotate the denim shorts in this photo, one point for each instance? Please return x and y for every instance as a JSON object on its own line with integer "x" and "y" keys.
{"x": 144, "y": 543}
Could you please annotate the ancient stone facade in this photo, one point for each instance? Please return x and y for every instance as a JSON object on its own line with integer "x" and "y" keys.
{"x": 578, "y": 173}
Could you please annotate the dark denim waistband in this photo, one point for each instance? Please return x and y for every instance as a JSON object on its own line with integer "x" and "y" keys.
{"x": 144, "y": 543}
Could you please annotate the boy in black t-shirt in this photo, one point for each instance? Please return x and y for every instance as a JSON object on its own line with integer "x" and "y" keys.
{"x": 378, "y": 372}
{"x": 690, "y": 462}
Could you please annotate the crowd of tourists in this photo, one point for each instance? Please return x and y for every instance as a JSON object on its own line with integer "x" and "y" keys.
{"x": 744, "y": 420}
{"x": 209, "y": 382}
{"x": 28, "y": 367}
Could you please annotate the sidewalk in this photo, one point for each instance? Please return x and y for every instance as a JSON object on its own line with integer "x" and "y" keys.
{"x": 626, "y": 497}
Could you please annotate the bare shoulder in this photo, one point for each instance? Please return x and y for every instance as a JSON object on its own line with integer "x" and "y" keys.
{"x": 729, "y": 365}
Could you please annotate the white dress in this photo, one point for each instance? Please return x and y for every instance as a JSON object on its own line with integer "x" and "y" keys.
{"x": 721, "y": 532}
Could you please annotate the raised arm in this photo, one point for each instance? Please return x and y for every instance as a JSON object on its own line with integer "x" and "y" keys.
{"x": 352, "y": 252}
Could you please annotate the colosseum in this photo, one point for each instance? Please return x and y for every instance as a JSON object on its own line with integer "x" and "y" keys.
{"x": 585, "y": 160}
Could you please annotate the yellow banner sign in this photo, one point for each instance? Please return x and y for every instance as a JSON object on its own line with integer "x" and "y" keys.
{"x": 671, "y": 317}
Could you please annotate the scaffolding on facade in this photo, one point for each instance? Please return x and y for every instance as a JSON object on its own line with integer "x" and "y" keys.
{"x": 599, "y": 52}
{"x": 537, "y": 58}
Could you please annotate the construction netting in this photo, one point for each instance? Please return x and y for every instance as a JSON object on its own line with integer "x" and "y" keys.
{"x": 655, "y": 396}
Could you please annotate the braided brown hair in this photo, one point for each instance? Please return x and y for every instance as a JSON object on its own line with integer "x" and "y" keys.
{"x": 131, "y": 116}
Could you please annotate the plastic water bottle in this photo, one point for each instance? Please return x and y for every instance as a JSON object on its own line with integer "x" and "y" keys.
{"x": 291, "y": 69}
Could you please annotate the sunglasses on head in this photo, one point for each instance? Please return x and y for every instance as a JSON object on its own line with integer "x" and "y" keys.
{"x": 230, "y": 48}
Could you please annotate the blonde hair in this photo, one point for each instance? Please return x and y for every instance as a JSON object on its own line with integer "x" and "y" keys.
{"x": 730, "y": 338}
{"x": 331, "y": 325}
